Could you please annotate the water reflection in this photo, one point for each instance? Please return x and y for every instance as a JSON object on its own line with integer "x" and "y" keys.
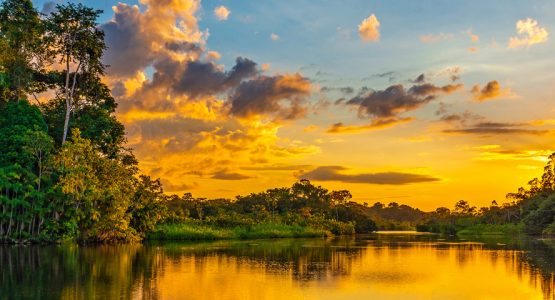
{"x": 382, "y": 266}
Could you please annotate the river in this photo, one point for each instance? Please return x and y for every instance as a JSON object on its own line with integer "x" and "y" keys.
{"x": 394, "y": 265}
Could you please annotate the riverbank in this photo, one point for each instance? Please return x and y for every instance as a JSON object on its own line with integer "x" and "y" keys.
{"x": 197, "y": 232}
{"x": 492, "y": 230}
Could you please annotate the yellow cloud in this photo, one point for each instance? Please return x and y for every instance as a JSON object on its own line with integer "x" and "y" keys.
{"x": 530, "y": 33}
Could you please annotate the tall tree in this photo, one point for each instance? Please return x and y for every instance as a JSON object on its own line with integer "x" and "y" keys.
{"x": 21, "y": 52}
{"x": 77, "y": 42}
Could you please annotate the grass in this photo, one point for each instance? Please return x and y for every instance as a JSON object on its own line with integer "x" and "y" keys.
{"x": 197, "y": 232}
{"x": 491, "y": 230}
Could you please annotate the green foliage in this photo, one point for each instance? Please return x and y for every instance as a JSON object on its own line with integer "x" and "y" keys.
{"x": 193, "y": 231}
{"x": 186, "y": 231}
{"x": 539, "y": 215}
{"x": 21, "y": 53}
{"x": 491, "y": 230}
{"x": 395, "y": 216}
{"x": 147, "y": 207}
{"x": 98, "y": 191}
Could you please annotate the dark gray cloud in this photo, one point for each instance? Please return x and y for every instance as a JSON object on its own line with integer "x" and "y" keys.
{"x": 420, "y": 79}
{"x": 181, "y": 47}
{"x": 396, "y": 99}
{"x": 333, "y": 173}
{"x": 283, "y": 96}
{"x": 205, "y": 78}
{"x": 391, "y": 76}
{"x": 197, "y": 78}
{"x": 461, "y": 118}
{"x": 347, "y": 90}
{"x": 128, "y": 47}
{"x": 224, "y": 175}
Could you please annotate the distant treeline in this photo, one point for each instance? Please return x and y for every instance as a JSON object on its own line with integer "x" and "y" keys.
{"x": 65, "y": 173}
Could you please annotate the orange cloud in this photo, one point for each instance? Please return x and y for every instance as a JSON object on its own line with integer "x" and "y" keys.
{"x": 369, "y": 29}
{"x": 221, "y": 13}
{"x": 492, "y": 90}
{"x": 473, "y": 37}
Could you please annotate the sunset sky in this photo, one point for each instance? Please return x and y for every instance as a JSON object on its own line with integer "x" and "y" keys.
{"x": 418, "y": 102}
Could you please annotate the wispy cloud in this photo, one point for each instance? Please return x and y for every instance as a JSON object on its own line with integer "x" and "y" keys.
{"x": 374, "y": 125}
{"x": 431, "y": 38}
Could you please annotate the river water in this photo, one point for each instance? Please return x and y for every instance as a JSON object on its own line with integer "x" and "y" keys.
{"x": 394, "y": 265}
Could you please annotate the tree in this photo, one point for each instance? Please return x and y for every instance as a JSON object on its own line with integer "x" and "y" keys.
{"x": 21, "y": 52}
{"x": 25, "y": 148}
{"x": 464, "y": 209}
{"x": 98, "y": 192}
{"x": 78, "y": 43}
{"x": 148, "y": 204}
{"x": 339, "y": 198}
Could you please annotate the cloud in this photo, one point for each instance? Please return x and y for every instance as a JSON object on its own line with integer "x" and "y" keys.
{"x": 395, "y": 99}
{"x": 420, "y": 79}
{"x": 473, "y": 37}
{"x": 169, "y": 187}
{"x": 461, "y": 118}
{"x": 529, "y": 33}
{"x": 186, "y": 115}
{"x": 221, "y": 13}
{"x": 135, "y": 38}
{"x": 126, "y": 42}
{"x": 344, "y": 90}
{"x": 213, "y": 55}
{"x": 495, "y": 152}
{"x": 284, "y": 97}
{"x": 374, "y": 125}
{"x": 277, "y": 167}
{"x": 389, "y": 75}
{"x": 495, "y": 128}
{"x": 492, "y": 90}
{"x": 225, "y": 175}
{"x": 335, "y": 173}
{"x": 369, "y": 29}
{"x": 274, "y": 37}
{"x": 430, "y": 38}
{"x": 200, "y": 78}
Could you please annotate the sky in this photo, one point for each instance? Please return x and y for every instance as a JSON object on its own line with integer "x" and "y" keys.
{"x": 417, "y": 102}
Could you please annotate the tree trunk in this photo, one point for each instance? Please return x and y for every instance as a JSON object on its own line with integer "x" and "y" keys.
{"x": 68, "y": 107}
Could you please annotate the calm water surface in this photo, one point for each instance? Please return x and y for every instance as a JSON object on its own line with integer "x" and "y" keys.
{"x": 378, "y": 266}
